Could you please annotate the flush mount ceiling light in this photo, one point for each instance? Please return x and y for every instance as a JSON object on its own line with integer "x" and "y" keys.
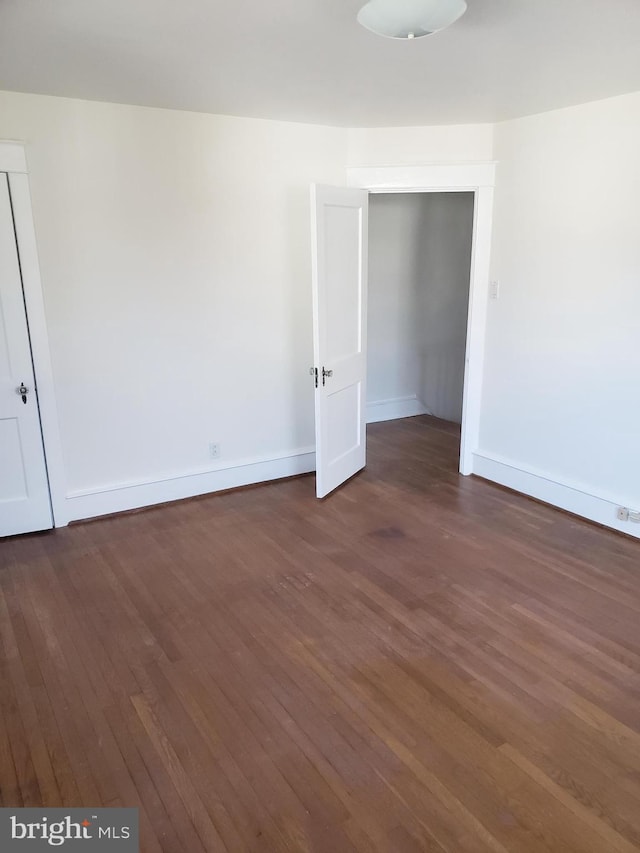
{"x": 409, "y": 19}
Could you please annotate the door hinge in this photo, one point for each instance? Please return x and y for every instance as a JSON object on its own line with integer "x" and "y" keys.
{"x": 313, "y": 371}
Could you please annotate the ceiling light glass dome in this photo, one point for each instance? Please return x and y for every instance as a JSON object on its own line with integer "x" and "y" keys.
{"x": 408, "y": 19}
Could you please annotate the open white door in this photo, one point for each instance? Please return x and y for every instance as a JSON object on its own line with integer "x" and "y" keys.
{"x": 24, "y": 489}
{"x": 339, "y": 229}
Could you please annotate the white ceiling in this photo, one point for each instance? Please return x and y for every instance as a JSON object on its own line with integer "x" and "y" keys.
{"x": 308, "y": 60}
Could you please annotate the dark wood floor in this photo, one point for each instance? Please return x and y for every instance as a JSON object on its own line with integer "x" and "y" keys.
{"x": 422, "y": 662}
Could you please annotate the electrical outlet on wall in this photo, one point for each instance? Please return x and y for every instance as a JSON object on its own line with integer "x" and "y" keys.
{"x": 214, "y": 450}
{"x": 625, "y": 514}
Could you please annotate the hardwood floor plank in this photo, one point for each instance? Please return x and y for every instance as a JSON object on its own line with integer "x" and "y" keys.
{"x": 187, "y": 792}
{"x": 17, "y": 727}
{"x": 421, "y": 662}
{"x": 608, "y": 836}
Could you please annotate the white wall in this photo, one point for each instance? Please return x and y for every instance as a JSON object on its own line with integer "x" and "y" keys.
{"x": 419, "y": 267}
{"x": 175, "y": 259}
{"x": 174, "y": 250}
{"x": 401, "y": 146}
{"x": 561, "y": 398}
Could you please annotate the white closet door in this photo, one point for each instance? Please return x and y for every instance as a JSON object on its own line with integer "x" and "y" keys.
{"x": 24, "y": 490}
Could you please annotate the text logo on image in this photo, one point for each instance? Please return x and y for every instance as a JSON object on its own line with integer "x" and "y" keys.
{"x": 34, "y": 830}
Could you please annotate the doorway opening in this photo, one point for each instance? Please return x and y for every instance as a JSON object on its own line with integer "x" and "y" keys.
{"x": 339, "y": 244}
{"x": 420, "y": 259}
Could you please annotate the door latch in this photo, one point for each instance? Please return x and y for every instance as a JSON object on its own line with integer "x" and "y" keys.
{"x": 313, "y": 371}
{"x": 326, "y": 374}
{"x": 23, "y": 391}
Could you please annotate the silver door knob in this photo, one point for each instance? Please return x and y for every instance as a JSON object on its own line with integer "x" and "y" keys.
{"x": 23, "y": 391}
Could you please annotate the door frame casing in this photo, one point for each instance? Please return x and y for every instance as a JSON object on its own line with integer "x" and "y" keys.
{"x": 13, "y": 162}
{"x": 478, "y": 178}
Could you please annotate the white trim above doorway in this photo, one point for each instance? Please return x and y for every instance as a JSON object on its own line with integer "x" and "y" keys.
{"x": 434, "y": 177}
{"x": 478, "y": 178}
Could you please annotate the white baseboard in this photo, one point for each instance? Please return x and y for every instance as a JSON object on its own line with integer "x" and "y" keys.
{"x": 391, "y": 410}
{"x": 118, "y": 497}
{"x": 573, "y": 497}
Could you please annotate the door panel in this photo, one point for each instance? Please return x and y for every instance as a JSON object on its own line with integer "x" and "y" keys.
{"x": 342, "y": 282}
{"x": 24, "y": 491}
{"x": 13, "y": 485}
{"x": 339, "y": 240}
